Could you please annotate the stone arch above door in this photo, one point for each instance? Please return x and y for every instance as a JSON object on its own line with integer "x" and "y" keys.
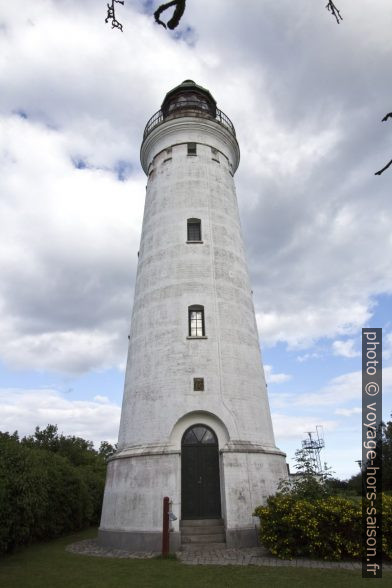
{"x": 201, "y": 417}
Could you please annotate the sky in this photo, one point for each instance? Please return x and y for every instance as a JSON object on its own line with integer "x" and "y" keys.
{"x": 306, "y": 96}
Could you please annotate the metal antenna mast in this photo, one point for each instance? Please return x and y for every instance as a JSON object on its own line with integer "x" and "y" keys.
{"x": 313, "y": 446}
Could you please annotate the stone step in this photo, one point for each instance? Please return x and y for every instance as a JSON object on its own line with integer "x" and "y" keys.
{"x": 210, "y": 538}
{"x": 201, "y": 523}
{"x": 202, "y": 547}
{"x": 193, "y": 530}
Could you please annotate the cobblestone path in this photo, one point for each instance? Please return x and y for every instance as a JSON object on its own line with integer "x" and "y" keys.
{"x": 255, "y": 556}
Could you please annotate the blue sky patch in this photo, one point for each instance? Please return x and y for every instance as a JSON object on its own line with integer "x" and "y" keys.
{"x": 123, "y": 170}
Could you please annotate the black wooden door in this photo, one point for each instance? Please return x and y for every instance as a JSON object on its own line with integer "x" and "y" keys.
{"x": 200, "y": 487}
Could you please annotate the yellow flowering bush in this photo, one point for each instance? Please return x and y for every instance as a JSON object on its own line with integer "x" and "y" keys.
{"x": 325, "y": 528}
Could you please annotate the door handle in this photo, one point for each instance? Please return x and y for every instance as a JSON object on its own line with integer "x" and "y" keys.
{"x": 200, "y": 481}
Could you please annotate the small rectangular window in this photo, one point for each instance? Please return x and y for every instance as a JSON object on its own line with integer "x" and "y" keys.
{"x": 191, "y": 148}
{"x": 196, "y": 321}
{"x": 198, "y": 384}
{"x": 215, "y": 154}
{"x": 194, "y": 230}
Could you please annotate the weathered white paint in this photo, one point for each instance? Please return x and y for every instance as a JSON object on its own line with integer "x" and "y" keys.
{"x": 159, "y": 402}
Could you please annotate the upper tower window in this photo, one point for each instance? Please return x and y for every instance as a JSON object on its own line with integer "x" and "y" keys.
{"x": 193, "y": 229}
{"x": 192, "y": 149}
{"x": 196, "y": 321}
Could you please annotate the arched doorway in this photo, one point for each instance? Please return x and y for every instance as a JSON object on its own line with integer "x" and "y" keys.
{"x": 200, "y": 486}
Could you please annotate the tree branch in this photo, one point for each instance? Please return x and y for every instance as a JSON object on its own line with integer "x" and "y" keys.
{"x": 177, "y": 14}
{"x": 383, "y": 169}
{"x": 334, "y": 11}
{"x": 389, "y": 115}
{"x": 180, "y": 9}
{"x": 112, "y": 16}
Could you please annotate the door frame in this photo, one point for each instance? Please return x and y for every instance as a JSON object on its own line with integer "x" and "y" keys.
{"x": 218, "y": 471}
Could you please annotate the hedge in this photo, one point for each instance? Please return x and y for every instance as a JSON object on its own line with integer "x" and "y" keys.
{"x": 325, "y": 528}
{"x": 43, "y": 495}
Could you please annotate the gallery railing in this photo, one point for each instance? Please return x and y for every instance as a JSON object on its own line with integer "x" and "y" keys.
{"x": 188, "y": 108}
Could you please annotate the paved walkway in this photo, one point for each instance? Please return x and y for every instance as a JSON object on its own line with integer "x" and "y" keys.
{"x": 255, "y": 556}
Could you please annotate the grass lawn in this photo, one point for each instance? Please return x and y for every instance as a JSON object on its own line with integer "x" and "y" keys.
{"x": 48, "y": 565}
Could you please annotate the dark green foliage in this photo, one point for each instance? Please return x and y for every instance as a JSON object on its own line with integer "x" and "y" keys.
{"x": 106, "y": 450}
{"x": 77, "y": 450}
{"x": 22, "y": 500}
{"x": 336, "y": 486}
{"x": 308, "y": 482}
{"x": 49, "y": 485}
{"x": 354, "y": 484}
{"x": 387, "y": 456}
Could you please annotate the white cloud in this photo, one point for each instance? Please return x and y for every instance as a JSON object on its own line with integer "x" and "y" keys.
{"x": 304, "y": 323}
{"x": 23, "y": 410}
{"x": 273, "y": 378}
{"x": 345, "y": 348}
{"x": 72, "y": 351}
{"x": 307, "y": 356}
{"x": 101, "y": 399}
{"x": 67, "y": 238}
{"x": 289, "y": 426}
{"x": 342, "y": 389}
{"x": 348, "y": 411}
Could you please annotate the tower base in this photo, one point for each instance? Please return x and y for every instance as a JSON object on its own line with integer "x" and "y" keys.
{"x": 136, "y": 484}
{"x": 137, "y": 540}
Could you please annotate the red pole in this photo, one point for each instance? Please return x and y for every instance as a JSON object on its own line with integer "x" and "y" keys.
{"x": 165, "y": 528}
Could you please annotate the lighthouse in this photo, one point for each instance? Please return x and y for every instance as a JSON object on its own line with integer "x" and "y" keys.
{"x": 195, "y": 422}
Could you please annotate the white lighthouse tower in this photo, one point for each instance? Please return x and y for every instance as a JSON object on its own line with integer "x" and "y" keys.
{"x": 195, "y": 423}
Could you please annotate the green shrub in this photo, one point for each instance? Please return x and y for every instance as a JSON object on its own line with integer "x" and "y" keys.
{"x": 327, "y": 528}
{"x": 20, "y": 505}
{"x": 43, "y": 494}
{"x": 94, "y": 481}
